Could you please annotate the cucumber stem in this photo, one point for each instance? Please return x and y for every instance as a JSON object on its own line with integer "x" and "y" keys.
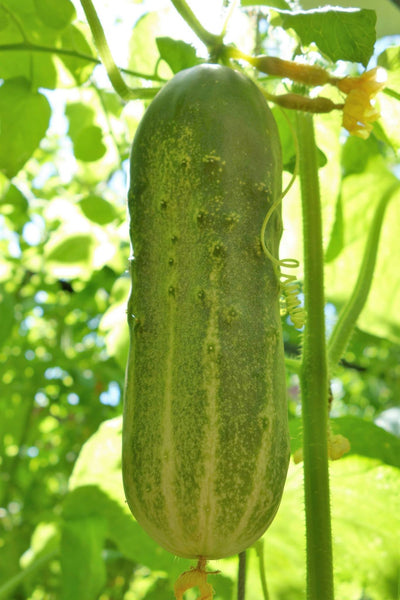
{"x": 351, "y": 311}
{"x": 259, "y": 548}
{"x": 241, "y": 582}
{"x": 210, "y": 40}
{"x": 314, "y": 376}
{"x": 113, "y": 72}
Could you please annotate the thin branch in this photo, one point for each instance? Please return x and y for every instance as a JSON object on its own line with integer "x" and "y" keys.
{"x": 29, "y": 47}
{"x": 209, "y": 39}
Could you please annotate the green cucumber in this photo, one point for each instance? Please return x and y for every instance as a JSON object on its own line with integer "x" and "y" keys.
{"x": 205, "y": 438}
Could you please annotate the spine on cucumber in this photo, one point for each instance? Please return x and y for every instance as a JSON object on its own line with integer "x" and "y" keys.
{"x": 205, "y": 441}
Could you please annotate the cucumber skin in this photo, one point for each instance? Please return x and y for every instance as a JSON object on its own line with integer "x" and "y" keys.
{"x": 205, "y": 437}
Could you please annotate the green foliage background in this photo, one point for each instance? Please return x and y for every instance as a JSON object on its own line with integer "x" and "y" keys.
{"x": 65, "y": 531}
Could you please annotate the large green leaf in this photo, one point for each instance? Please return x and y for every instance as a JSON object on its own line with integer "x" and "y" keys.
{"x": 24, "y": 118}
{"x": 365, "y": 532}
{"x": 366, "y": 439}
{"x": 22, "y": 23}
{"x": 339, "y": 34}
{"x": 387, "y": 12}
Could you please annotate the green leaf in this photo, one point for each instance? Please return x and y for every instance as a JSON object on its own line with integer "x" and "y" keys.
{"x": 45, "y": 538}
{"x": 88, "y": 144}
{"x": 113, "y": 324}
{"x": 76, "y": 248}
{"x": 98, "y": 210}
{"x": 55, "y": 14}
{"x": 23, "y": 23}
{"x": 389, "y": 59}
{"x": 83, "y": 568}
{"x": 24, "y": 118}
{"x": 281, "y": 4}
{"x": 366, "y": 439}
{"x": 14, "y": 206}
{"x": 7, "y": 303}
{"x": 143, "y": 51}
{"x": 74, "y": 39}
{"x": 365, "y": 500}
{"x": 86, "y": 137}
{"x": 96, "y": 489}
{"x": 340, "y": 34}
{"x": 177, "y": 54}
{"x": 356, "y": 153}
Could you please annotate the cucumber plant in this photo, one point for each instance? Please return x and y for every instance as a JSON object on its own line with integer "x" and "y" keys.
{"x": 205, "y": 448}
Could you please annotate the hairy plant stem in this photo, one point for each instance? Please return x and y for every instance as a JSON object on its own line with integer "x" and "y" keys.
{"x": 314, "y": 376}
{"x": 351, "y": 311}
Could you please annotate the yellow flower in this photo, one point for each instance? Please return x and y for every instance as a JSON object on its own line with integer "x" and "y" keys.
{"x": 358, "y": 110}
{"x": 370, "y": 82}
{"x": 359, "y": 113}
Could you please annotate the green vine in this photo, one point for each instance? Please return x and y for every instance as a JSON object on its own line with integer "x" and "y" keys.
{"x": 351, "y": 311}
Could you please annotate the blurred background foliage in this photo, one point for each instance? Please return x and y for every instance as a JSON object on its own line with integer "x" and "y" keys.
{"x": 65, "y": 136}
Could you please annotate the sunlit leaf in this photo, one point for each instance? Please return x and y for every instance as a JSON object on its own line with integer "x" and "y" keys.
{"x": 366, "y": 439}
{"x": 23, "y": 23}
{"x": 97, "y": 209}
{"x": 281, "y": 4}
{"x": 364, "y": 531}
{"x": 177, "y": 54}
{"x": 114, "y": 325}
{"x": 73, "y": 39}
{"x": 24, "y": 118}
{"x": 340, "y": 34}
{"x": 57, "y": 15}
{"x": 86, "y": 136}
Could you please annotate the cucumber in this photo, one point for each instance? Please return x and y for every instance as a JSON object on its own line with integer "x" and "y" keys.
{"x": 205, "y": 437}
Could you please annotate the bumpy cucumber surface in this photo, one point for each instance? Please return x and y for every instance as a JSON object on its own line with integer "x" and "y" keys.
{"x": 205, "y": 441}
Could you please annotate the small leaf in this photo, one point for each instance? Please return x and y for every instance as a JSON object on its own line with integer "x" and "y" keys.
{"x": 177, "y": 54}
{"x": 88, "y": 144}
{"x": 56, "y": 15}
{"x": 24, "y": 118}
{"x": 98, "y": 210}
{"x": 86, "y": 137}
{"x": 340, "y": 34}
{"x": 75, "y": 248}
